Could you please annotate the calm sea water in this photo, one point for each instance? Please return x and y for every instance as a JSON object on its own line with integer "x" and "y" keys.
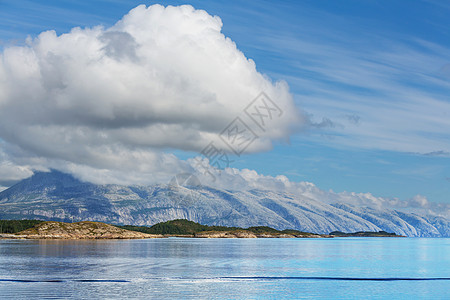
{"x": 179, "y": 268}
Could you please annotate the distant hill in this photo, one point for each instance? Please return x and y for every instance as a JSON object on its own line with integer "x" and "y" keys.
{"x": 188, "y": 228}
{"x": 61, "y": 197}
{"x": 177, "y": 227}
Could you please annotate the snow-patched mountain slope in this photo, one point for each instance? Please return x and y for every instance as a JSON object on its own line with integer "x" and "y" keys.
{"x": 58, "y": 196}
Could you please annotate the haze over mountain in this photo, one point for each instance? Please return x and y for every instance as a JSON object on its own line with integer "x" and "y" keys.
{"x": 59, "y": 196}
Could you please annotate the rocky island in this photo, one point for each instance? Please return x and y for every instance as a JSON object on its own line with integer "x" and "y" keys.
{"x": 34, "y": 229}
{"x": 37, "y": 229}
{"x": 365, "y": 234}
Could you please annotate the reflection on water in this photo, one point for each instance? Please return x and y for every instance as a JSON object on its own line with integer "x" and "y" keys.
{"x": 226, "y": 268}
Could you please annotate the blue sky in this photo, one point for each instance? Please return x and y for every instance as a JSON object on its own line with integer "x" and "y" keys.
{"x": 373, "y": 76}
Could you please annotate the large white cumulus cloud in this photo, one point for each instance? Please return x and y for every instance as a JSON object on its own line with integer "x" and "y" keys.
{"x": 110, "y": 100}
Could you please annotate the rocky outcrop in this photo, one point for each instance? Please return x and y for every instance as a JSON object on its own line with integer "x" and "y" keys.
{"x": 79, "y": 230}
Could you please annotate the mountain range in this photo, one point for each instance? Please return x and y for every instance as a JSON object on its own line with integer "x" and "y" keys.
{"x": 61, "y": 197}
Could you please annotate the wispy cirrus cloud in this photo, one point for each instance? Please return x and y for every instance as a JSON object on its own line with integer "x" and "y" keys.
{"x": 393, "y": 82}
{"x": 399, "y": 109}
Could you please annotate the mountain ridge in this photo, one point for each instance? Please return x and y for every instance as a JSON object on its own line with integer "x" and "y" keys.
{"x": 61, "y": 197}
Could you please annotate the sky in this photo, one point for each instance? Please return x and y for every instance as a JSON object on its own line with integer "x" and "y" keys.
{"x": 361, "y": 91}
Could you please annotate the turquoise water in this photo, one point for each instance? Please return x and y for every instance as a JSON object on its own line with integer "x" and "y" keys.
{"x": 178, "y": 268}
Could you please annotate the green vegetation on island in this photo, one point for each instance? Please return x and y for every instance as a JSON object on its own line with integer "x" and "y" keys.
{"x": 364, "y": 234}
{"x": 178, "y": 227}
{"x": 182, "y": 227}
{"x": 14, "y": 226}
